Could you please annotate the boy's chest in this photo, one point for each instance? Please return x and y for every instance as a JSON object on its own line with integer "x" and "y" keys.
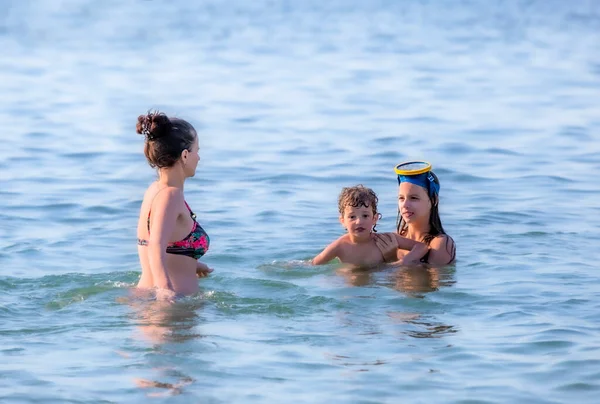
{"x": 361, "y": 254}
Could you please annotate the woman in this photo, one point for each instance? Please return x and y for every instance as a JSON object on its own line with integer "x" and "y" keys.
{"x": 170, "y": 240}
{"x": 419, "y": 220}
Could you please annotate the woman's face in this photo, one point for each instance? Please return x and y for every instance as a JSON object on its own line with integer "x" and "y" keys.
{"x": 192, "y": 158}
{"x": 414, "y": 203}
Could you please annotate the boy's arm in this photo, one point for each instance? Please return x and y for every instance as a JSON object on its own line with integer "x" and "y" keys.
{"x": 417, "y": 250}
{"x": 329, "y": 253}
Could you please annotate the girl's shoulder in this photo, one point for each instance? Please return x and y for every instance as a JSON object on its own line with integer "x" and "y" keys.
{"x": 441, "y": 239}
{"x": 443, "y": 249}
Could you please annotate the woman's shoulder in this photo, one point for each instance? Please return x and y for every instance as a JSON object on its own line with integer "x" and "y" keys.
{"x": 163, "y": 195}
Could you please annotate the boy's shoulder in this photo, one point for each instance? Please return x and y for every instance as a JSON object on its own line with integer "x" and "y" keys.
{"x": 343, "y": 239}
{"x": 341, "y": 243}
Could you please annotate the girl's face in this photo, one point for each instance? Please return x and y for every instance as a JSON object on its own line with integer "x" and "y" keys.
{"x": 414, "y": 203}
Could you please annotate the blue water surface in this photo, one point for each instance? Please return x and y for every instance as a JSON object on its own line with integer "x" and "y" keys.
{"x": 294, "y": 100}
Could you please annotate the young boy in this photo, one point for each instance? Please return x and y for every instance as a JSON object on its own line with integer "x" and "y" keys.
{"x": 358, "y": 214}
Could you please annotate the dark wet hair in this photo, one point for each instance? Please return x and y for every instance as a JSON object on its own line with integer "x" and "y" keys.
{"x": 435, "y": 223}
{"x": 165, "y": 137}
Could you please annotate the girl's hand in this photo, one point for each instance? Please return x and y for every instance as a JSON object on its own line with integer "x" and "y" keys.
{"x": 388, "y": 245}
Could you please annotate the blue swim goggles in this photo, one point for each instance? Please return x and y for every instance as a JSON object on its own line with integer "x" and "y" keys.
{"x": 418, "y": 173}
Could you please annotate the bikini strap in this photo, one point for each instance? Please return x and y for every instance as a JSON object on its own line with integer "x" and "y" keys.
{"x": 186, "y": 204}
{"x": 192, "y": 214}
{"x": 150, "y": 210}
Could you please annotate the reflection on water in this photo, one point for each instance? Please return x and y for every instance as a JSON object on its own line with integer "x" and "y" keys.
{"x": 161, "y": 324}
{"x": 416, "y": 281}
{"x": 413, "y": 281}
{"x": 168, "y": 389}
{"x": 422, "y": 326}
{"x": 354, "y": 364}
{"x": 355, "y": 276}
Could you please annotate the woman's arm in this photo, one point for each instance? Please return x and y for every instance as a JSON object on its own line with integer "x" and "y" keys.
{"x": 329, "y": 253}
{"x": 165, "y": 210}
{"x": 202, "y": 269}
{"x": 442, "y": 250}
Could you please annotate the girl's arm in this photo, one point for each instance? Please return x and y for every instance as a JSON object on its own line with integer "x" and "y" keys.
{"x": 417, "y": 250}
{"x": 329, "y": 253}
{"x": 442, "y": 250}
{"x": 165, "y": 210}
{"x": 387, "y": 244}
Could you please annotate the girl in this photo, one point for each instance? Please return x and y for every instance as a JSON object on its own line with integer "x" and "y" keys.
{"x": 419, "y": 219}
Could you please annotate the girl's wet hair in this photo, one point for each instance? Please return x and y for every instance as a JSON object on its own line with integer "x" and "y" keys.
{"x": 165, "y": 137}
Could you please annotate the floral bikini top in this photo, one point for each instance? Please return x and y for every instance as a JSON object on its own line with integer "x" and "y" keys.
{"x": 195, "y": 245}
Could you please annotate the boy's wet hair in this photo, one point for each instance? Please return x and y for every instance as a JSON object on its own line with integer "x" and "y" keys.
{"x": 357, "y": 196}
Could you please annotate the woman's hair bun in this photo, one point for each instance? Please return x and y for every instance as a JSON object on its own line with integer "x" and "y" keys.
{"x": 153, "y": 125}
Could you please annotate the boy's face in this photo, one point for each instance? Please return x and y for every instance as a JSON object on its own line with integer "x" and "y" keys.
{"x": 359, "y": 221}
